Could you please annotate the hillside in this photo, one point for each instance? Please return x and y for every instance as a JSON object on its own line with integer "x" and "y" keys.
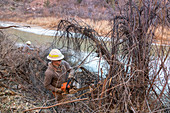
{"x": 94, "y": 9}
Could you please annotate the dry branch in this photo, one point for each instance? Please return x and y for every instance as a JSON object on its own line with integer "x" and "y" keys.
{"x": 56, "y": 104}
{"x": 13, "y": 26}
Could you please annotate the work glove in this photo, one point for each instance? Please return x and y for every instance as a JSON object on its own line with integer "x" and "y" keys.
{"x": 58, "y": 90}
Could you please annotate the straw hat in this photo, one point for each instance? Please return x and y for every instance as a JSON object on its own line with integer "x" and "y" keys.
{"x": 55, "y": 54}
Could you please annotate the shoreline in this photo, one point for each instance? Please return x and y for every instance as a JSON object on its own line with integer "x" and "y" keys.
{"x": 39, "y": 30}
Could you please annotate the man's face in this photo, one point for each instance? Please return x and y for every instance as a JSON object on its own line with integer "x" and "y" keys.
{"x": 56, "y": 63}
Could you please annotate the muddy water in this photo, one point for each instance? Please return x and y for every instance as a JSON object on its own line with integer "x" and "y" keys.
{"x": 38, "y": 36}
{"x": 43, "y": 39}
{"x": 22, "y": 37}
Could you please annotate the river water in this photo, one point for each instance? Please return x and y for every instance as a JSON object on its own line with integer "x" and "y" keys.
{"x": 36, "y": 35}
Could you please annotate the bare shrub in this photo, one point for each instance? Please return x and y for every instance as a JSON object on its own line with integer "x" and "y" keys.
{"x": 138, "y": 74}
{"x": 23, "y": 73}
{"x": 131, "y": 84}
{"x": 25, "y": 70}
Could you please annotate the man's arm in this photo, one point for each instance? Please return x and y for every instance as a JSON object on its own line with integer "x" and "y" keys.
{"x": 47, "y": 83}
{"x": 70, "y": 70}
{"x": 25, "y": 48}
{"x": 70, "y": 76}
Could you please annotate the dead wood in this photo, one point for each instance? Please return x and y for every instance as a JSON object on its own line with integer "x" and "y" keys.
{"x": 58, "y": 104}
{"x": 13, "y": 26}
{"x": 129, "y": 53}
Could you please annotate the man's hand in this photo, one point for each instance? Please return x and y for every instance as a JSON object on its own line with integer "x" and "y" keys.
{"x": 58, "y": 90}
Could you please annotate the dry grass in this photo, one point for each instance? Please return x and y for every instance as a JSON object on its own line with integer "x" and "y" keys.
{"x": 102, "y": 27}
{"x": 47, "y": 22}
{"x": 162, "y": 34}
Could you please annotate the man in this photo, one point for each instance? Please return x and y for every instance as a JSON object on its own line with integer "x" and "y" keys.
{"x": 27, "y": 48}
{"x": 57, "y": 73}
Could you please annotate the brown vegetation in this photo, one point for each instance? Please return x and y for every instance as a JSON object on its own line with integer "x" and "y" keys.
{"x": 138, "y": 74}
{"x": 130, "y": 83}
{"x": 22, "y": 76}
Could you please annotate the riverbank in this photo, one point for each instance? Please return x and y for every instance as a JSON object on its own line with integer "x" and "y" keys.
{"x": 43, "y": 28}
{"x": 162, "y": 34}
{"x": 52, "y": 23}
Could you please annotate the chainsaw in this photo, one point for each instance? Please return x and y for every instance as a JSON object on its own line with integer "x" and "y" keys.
{"x": 67, "y": 88}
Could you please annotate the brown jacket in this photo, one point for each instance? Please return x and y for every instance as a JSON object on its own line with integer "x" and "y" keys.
{"x": 55, "y": 77}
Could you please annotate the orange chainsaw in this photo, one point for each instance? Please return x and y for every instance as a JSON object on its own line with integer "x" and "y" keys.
{"x": 66, "y": 86}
